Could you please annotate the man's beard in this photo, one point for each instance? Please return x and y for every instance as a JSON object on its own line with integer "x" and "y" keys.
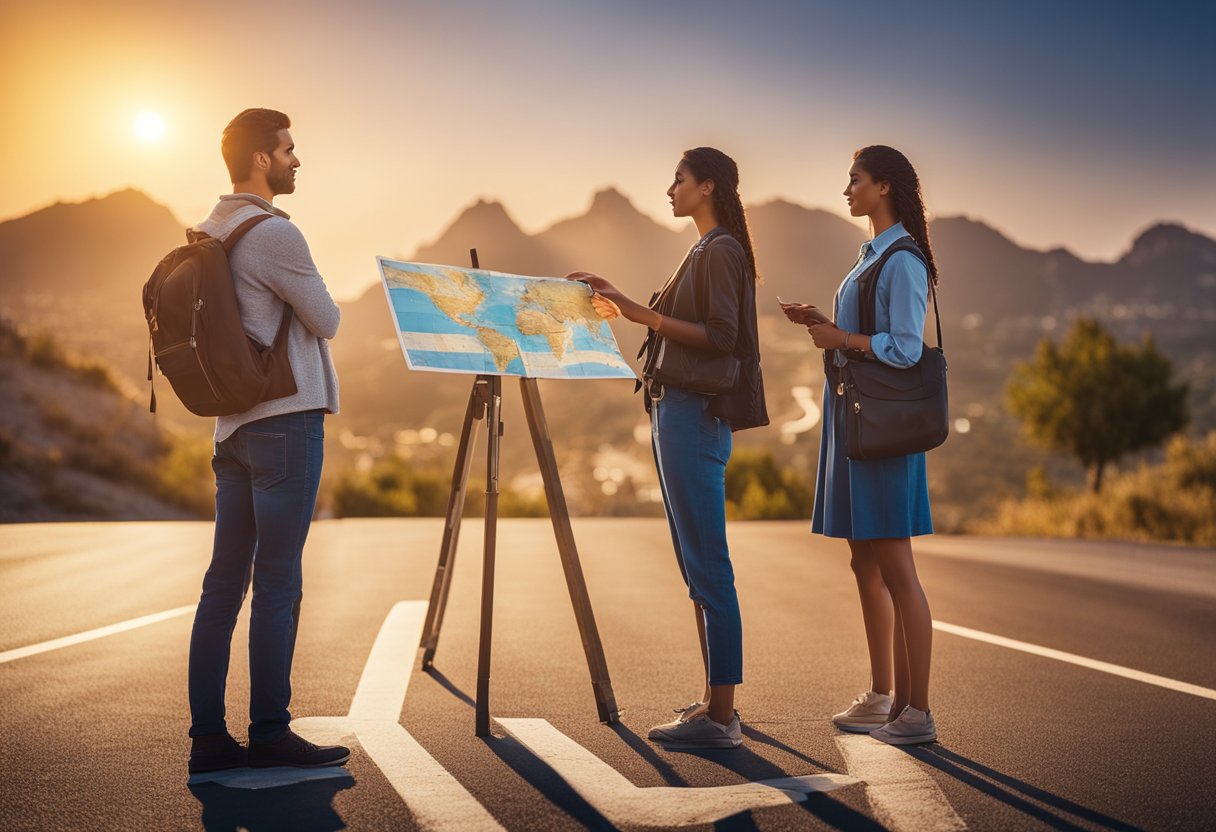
{"x": 281, "y": 180}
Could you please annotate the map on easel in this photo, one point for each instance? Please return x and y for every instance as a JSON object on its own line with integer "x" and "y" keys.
{"x": 456, "y": 320}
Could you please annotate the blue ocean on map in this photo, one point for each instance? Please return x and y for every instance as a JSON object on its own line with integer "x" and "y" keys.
{"x": 480, "y": 331}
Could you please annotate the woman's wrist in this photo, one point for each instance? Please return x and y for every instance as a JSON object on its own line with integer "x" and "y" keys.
{"x": 846, "y": 339}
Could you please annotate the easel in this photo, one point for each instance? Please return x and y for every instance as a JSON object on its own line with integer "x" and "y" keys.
{"x": 485, "y": 401}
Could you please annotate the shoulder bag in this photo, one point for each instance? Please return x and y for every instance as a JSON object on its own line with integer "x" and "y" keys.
{"x": 889, "y": 411}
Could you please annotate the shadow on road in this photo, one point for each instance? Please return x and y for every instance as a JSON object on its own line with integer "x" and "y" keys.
{"x": 1014, "y": 793}
{"x": 646, "y": 751}
{"x": 300, "y": 807}
{"x": 765, "y": 739}
{"x": 546, "y": 781}
{"x": 448, "y": 685}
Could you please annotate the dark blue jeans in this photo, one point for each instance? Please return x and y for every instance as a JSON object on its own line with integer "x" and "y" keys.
{"x": 691, "y": 449}
{"x": 266, "y": 478}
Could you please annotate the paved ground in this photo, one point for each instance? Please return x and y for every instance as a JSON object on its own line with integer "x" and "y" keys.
{"x": 93, "y": 734}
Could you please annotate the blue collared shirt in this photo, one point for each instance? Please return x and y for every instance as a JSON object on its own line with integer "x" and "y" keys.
{"x": 903, "y": 296}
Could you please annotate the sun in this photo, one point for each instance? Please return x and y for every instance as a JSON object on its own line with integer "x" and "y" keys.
{"x": 149, "y": 126}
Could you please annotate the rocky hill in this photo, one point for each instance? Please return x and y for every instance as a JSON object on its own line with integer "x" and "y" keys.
{"x": 74, "y": 445}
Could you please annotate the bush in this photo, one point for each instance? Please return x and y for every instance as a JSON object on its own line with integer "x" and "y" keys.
{"x": 394, "y": 488}
{"x": 43, "y": 350}
{"x": 758, "y": 489}
{"x": 1173, "y": 501}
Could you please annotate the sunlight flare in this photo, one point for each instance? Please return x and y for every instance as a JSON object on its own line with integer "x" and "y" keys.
{"x": 149, "y": 127}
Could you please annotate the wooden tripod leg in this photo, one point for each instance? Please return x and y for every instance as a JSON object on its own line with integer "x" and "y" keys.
{"x": 494, "y": 432}
{"x": 451, "y": 530}
{"x": 605, "y": 701}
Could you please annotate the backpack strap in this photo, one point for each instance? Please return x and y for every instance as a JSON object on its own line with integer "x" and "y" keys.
{"x": 151, "y": 380}
{"x": 241, "y": 230}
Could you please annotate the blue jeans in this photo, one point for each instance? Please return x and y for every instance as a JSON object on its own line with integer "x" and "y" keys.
{"x": 266, "y": 478}
{"x": 691, "y": 449}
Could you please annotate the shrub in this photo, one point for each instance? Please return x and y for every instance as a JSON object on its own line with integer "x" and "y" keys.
{"x": 758, "y": 489}
{"x": 393, "y": 487}
{"x": 1172, "y": 501}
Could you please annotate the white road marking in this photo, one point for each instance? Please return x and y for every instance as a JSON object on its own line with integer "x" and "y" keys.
{"x": 90, "y": 635}
{"x": 903, "y": 796}
{"x": 435, "y": 798}
{"x": 625, "y": 804}
{"x": 1081, "y": 661}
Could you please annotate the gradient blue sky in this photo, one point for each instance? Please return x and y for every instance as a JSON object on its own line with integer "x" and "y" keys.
{"x": 1060, "y": 123}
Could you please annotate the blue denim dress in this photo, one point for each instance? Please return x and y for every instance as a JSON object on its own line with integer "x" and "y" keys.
{"x": 881, "y": 498}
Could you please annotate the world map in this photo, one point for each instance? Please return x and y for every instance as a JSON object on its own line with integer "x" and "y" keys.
{"x": 456, "y": 320}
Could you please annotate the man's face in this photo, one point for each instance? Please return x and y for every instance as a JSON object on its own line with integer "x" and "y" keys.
{"x": 283, "y": 163}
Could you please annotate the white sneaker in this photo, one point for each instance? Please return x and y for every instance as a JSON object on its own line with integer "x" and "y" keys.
{"x": 868, "y": 711}
{"x": 911, "y": 727}
{"x": 688, "y": 710}
{"x": 699, "y": 731}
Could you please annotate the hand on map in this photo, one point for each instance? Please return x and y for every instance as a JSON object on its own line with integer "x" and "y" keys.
{"x": 608, "y": 300}
{"x": 606, "y": 308}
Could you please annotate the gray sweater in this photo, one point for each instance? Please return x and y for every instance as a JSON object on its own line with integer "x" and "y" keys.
{"x": 271, "y": 265}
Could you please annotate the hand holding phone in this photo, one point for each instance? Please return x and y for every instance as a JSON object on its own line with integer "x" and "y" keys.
{"x": 804, "y": 314}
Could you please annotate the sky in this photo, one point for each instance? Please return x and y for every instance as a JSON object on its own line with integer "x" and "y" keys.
{"x": 1060, "y": 122}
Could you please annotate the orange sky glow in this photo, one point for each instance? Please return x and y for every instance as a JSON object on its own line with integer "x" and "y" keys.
{"x": 404, "y": 114}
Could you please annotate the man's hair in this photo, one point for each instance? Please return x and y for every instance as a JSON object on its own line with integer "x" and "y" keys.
{"x": 253, "y": 130}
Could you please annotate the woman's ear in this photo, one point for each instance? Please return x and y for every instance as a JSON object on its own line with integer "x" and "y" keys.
{"x": 707, "y": 188}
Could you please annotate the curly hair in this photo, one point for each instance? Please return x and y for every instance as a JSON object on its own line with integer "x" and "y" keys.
{"x": 712, "y": 164}
{"x": 886, "y": 164}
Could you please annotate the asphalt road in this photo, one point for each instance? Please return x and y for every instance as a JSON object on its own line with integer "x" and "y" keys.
{"x": 93, "y": 734}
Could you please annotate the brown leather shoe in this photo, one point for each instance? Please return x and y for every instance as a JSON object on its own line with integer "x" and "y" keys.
{"x": 215, "y": 752}
{"x": 293, "y": 750}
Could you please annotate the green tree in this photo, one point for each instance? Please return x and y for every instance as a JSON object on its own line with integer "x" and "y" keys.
{"x": 1095, "y": 398}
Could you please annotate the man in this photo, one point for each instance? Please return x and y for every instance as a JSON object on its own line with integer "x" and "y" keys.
{"x": 267, "y": 463}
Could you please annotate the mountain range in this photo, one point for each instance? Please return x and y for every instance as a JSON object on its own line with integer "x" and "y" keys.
{"x": 77, "y": 269}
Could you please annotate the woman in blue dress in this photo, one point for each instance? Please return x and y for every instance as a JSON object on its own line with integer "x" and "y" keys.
{"x": 880, "y": 505}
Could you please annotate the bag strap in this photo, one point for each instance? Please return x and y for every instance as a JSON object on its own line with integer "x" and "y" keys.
{"x": 868, "y": 289}
{"x": 230, "y": 243}
{"x": 241, "y": 230}
{"x": 694, "y": 253}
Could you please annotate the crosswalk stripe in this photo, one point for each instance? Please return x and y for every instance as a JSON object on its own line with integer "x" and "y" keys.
{"x": 902, "y": 794}
{"x": 435, "y": 798}
{"x": 627, "y": 805}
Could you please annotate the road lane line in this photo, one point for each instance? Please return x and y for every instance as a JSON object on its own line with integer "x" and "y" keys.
{"x": 434, "y": 797}
{"x": 627, "y": 805}
{"x": 90, "y": 635}
{"x": 1081, "y": 661}
{"x": 902, "y": 794}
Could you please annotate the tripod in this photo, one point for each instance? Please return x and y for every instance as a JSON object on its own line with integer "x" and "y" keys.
{"x": 485, "y": 402}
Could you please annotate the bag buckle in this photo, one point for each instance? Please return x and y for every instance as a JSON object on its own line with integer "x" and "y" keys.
{"x": 655, "y": 390}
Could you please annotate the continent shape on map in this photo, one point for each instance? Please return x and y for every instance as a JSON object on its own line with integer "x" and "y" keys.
{"x": 467, "y": 320}
{"x": 549, "y": 308}
{"x": 458, "y": 297}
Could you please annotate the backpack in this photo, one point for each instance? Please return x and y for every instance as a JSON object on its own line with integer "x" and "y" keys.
{"x": 195, "y": 334}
